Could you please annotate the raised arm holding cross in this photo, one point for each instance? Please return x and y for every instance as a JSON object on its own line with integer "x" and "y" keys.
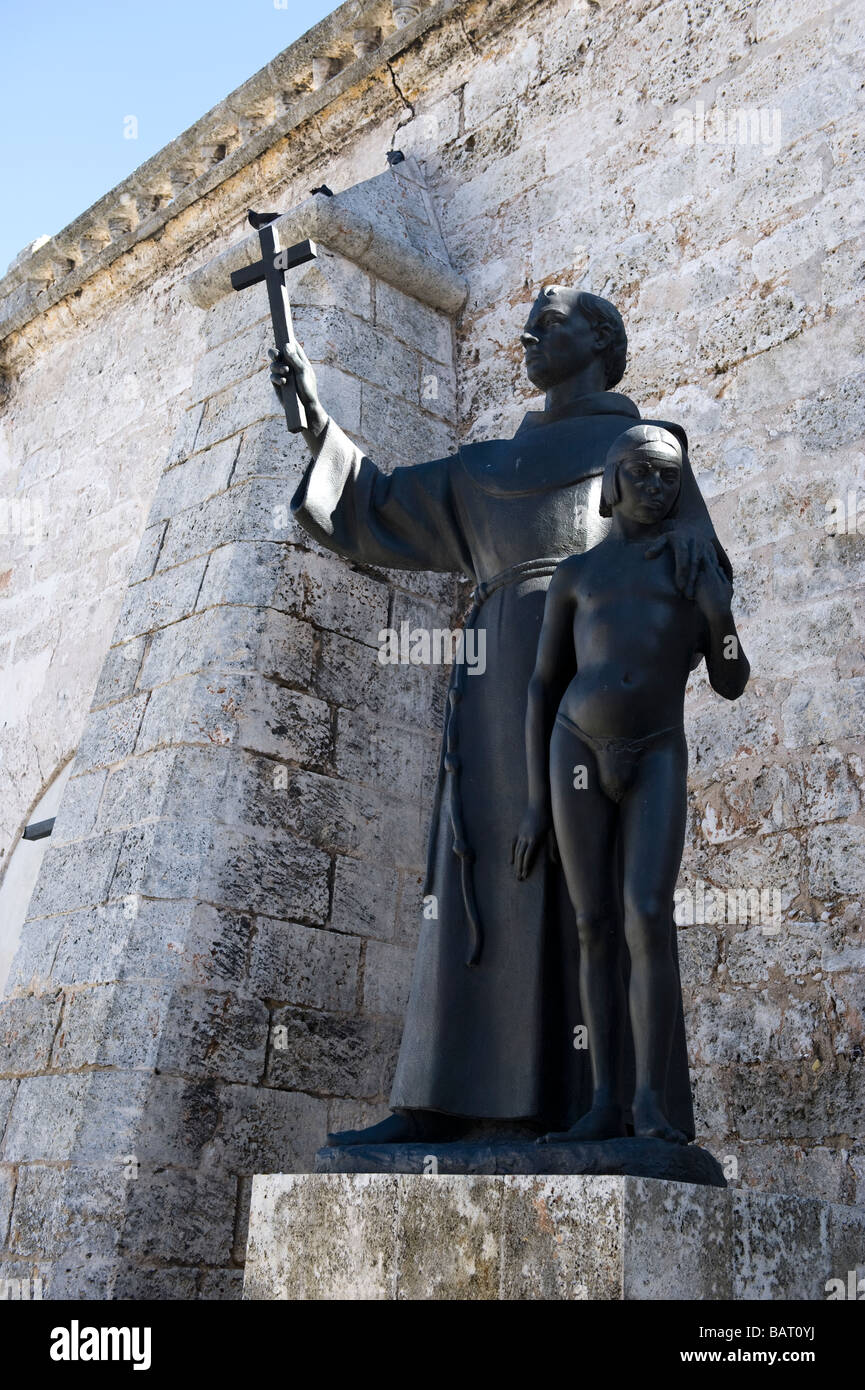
{"x": 275, "y": 261}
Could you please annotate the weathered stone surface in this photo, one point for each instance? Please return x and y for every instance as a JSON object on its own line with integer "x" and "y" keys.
{"x": 303, "y": 965}
{"x": 249, "y": 712}
{"x": 365, "y": 896}
{"x": 193, "y": 1032}
{"x": 181, "y": 1216}
{"x": 110, "y": 735}
{"x": 7, "y": 1189}
{"x": 333, "y": 1054}
{"x": 161, "y": 600}
{"x": 263, "y": 1129}
{"x": 221, "y": 1285}
{"x": 83, "y": 1116}
{"x": 59, "y": 1207}
{"x": 434, "y": 1237}
{"x": 27, "y": 1028}
{"x": 138, "y": 938}
{"x": 75, "y": 875}
{"x": 231, "y": 639}
{"x": 386, "y": 978}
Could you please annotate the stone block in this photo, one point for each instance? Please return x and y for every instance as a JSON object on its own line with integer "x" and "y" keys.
{"x": 220, "y": 1285}
{"x": 168, "y": 782}
{"x": 247, "y": 712}
{"x": 168, "y": 596}
{"x": 162, "y": 859}
{"x": 326, "y": 592}
{"x": 212, "y": 1034}
{"x": 371, "y": 1237}
{"x": 293, "y": 964}
{"x": 8, "y": 1177}
{"x": 232, "y": 639}
{"x": 75, "y": 875}
{"x": 334, "y": 815}
{"x": 136, "y": 1283}
{"x": 148, "y": 553}
{"x": 365, "y": 896}
{"x": 30, "y": 970}
{"x": 168, "y": 1027}
{"x": 181, "y": 1216}
{"x": 82, "y": 1117}
{"x": 79, "y": 806}
{"x": 268, "y": 450}
{"x": 823, "y": 710}
{"x": 405, "y": 434}
{"x": 331, "y": 1054}
{"x": 263, "y": 1129}
{"x": 253, "y": 509}
{"x": 192, "y": 482}
{"x": 339, "y": 339}
{"x": 386, "y": 978}
{"x": 698, "y": 955}
{"x": 109, "y": 734}
{"x": 352, "y": 1267}
{"x": 28, "y": 1024}
{"x": 282, "y": 877}
{"x": 424, "y": 329}
{"x": 774, "y": 1167}
{"x": 836, "y": 861}
{"x": 62, "y": 1209}
{"x": 148, "y": 939}
{"x": 119, "y": 672}
{"x": 385, "y": 755}
{"x": 349, "y": 674}
{"x": 225, "y": 414}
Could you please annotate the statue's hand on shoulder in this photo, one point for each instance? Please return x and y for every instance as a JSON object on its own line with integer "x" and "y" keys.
{"x": 714, "y": 592}
{"x": 692, "y": 552}
{"x": 535, "y": 827}
{"x": 294, "y": 361}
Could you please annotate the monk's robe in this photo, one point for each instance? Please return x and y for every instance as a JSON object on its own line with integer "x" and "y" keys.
{"x": 490, "y": 1024}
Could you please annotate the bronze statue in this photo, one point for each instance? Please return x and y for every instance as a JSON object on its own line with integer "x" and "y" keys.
{"x": 494, "y": 1004}
{"x": 607, "y": 761}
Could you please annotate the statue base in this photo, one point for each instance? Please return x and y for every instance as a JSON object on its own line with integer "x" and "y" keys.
{"x": 639, "y": 1158}
{"x": 365, "y": 1236}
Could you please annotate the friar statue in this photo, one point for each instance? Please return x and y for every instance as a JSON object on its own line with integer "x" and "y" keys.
{"x": 493, "y": 1024}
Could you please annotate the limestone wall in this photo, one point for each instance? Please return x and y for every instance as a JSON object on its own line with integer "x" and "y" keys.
{"x": 553, "y": 139}
{"x": 559, "y": 154}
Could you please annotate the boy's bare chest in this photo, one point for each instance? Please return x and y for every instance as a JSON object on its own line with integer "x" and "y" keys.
{"x": 625, "y": 577}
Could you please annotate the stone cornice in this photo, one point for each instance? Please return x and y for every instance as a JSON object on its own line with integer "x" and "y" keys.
{"x": 348, "y": 231}
{"x": 357, "y": 40}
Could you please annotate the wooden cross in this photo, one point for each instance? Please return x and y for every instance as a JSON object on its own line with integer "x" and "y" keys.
{"x": 275, "y": 261}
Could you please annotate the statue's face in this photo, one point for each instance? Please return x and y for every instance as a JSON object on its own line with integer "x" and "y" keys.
{"x": 558, "y": 341}
{"x": 648, "y": 488}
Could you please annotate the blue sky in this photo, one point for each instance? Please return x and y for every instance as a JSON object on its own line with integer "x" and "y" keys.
{"x": 70, "y": 73}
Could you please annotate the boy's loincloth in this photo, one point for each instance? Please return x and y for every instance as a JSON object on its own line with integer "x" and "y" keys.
{"x": 617, "y": 758}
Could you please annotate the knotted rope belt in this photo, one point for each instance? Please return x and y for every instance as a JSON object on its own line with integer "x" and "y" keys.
{"x": 450, "y": 765}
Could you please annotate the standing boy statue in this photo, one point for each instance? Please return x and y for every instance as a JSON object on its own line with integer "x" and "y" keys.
{"x": 607, "y": 762}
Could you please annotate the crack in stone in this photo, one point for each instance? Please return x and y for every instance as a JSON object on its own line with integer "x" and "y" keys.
{"x": 400, "y": 93}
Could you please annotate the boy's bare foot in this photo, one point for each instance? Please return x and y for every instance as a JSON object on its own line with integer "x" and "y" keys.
{"x": 650, "y": 1122}
{"x": 601, "y": 1122}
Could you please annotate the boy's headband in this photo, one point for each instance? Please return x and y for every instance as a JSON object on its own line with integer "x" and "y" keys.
{"x": 647, "y": 441}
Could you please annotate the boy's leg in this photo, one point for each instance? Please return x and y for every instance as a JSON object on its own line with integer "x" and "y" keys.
{"x": 653, "y": 831}
{"x": 585, "y": 825}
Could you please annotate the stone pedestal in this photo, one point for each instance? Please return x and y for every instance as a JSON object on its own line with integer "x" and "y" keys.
{"x": 637, "y": 1158}
{"x": 409, "y": 1236}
